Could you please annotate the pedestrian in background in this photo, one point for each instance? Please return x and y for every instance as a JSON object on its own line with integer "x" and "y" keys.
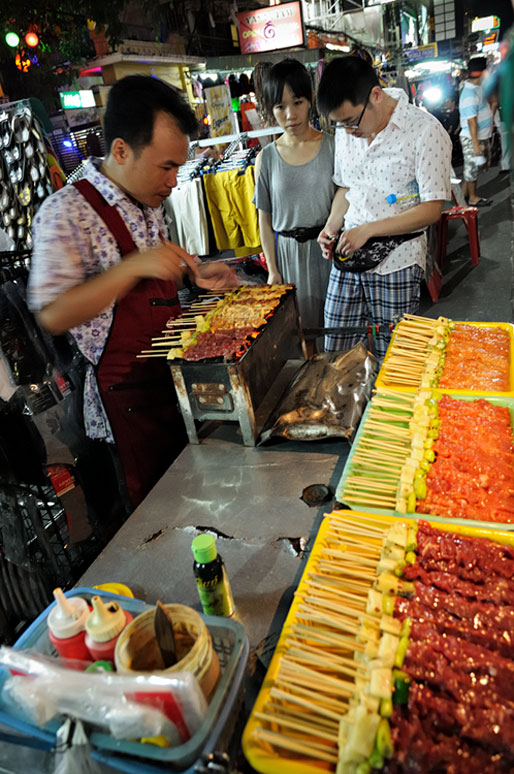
{"x": 476, "y": 120}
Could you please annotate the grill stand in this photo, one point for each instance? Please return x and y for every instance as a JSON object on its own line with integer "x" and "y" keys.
{"x": 234, "y": 391}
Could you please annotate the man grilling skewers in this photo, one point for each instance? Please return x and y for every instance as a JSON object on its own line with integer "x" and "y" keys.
{"x": 104, "y": 271}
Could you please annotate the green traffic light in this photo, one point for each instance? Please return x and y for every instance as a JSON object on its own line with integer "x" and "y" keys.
{"x": 12, "y": 39}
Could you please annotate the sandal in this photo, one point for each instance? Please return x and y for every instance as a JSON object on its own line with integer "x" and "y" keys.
{"x": 482, "y": 203}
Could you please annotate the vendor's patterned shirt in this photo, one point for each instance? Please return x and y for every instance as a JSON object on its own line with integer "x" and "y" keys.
{"x": 71, "y": 245}
{"x": 410, "y": 158}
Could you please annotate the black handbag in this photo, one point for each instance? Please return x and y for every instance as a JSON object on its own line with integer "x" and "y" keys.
{"x": 372, "y": 252}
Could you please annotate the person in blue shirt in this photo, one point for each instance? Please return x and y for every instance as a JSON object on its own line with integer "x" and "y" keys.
{"x": 476, "y": 120}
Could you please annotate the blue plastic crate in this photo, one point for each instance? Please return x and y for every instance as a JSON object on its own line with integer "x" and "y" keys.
{"x": 230, "y": 643}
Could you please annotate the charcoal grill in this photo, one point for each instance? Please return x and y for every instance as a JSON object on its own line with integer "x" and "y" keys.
{"x": 233, "y": 390}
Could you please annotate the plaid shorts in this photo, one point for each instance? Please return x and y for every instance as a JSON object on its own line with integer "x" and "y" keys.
{"x": 470, "y": 173}
{"x": 357, "y": 300}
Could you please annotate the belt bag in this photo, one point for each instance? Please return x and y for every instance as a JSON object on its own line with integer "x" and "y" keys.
{"x": 372, "y": 253}
{"x": 302, "y": 234}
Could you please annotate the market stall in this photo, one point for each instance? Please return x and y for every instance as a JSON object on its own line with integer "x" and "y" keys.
{"x": 353, "y": 685}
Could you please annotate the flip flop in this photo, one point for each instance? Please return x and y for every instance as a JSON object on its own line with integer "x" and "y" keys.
{"x": 482, "y": 203}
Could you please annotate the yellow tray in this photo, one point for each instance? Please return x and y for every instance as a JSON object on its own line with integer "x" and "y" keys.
{"x": 509, "y": 327}
{"x": 262, "y": 756}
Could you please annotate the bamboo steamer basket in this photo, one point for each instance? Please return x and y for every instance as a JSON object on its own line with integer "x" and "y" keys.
{"x": 137, "y": 651}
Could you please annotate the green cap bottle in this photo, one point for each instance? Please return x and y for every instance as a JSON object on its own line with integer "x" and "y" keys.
{"x": 211, "y": 579}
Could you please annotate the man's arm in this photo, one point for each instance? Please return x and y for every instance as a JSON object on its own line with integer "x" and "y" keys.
{"x": 416, "y": 218}
{"x": 88, "y": 299}
{"x": 473, "y": 132}
{"x": 334, "y": 222}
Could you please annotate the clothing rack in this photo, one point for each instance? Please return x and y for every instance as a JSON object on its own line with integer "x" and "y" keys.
{"x": 235, "y": 138}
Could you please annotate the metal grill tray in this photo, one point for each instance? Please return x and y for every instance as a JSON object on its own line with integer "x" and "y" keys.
{"x": 230, "y": 643}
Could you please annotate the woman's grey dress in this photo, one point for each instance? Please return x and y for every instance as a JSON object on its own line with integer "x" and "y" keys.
{"x": 297, "y": 196}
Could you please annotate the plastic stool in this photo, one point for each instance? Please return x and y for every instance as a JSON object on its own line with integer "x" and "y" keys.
{"x": 470, "y": 217}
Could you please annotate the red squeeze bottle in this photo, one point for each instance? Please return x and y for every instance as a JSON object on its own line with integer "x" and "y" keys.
{"x": 67, "y": 626}
{"x": 104, "y": 625}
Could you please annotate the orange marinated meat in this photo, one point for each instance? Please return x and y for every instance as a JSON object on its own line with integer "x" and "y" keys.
{"x": 473, "y": 473}
{"x": 477, "y": 358}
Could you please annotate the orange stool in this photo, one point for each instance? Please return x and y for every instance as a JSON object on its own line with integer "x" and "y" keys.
{"x": 470, "y": 217}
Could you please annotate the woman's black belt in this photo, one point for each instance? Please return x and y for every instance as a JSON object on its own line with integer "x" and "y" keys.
{"x": 303, "y": 234}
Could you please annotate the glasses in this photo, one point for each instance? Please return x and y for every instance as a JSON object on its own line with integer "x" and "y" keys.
{"x": 343, "y": 125}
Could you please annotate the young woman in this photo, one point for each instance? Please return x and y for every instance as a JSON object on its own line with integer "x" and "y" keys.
{"x": 294, "y": 190}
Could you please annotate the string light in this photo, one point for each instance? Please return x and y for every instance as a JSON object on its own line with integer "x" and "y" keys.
{"x": 12, "y": 39}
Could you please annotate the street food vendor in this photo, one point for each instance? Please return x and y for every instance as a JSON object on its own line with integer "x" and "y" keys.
{"x": 104, "y": 270}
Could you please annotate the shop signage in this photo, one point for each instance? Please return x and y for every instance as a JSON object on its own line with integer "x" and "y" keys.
{"x": 268, "y": 29}
{"x": 485, "y": 23}
{"x": 421, "y": 52}
{"x": 77, "y": 99}
{"x": 219, "y": 107}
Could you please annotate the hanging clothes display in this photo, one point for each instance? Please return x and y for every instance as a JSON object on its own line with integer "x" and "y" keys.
{"x": 229, "y": 192}
{"x": 185, "y": 210}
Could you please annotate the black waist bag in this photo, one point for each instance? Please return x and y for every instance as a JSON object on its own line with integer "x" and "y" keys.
{"x": 372, "y": 252}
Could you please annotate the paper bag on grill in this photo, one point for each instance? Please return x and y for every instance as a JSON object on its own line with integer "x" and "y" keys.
{"x": 325, "y": 398}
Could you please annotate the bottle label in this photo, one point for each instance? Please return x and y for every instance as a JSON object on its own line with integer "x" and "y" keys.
{"x": 216, "y": 596}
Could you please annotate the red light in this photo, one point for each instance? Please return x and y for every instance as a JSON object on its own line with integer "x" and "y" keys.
{"x": 31, "y": 39}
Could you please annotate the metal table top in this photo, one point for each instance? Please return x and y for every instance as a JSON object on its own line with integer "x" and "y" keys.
{"x": 249, "y": 498}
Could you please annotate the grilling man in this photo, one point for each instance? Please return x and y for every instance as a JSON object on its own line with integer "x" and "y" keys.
{"x": 104, "y": 270}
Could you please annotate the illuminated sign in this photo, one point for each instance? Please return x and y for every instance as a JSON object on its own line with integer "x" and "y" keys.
{"x": 77, "y": 99}
{"x": 485, "y": 23}
{"x": 269, "y": 29}
{"x": 421, "y": 52}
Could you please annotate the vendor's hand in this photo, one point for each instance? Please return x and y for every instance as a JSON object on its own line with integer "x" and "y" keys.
{"x": 214, "y": 275}
{"x": 166, "y": 261}
{"x": 353, "y": 239}
{"x": 326, "y": 240}
{"x": 274, "y": 277}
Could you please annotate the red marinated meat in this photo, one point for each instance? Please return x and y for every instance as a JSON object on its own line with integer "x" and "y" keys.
{"x": 497, "y": 590}
{"x": 477, "y": 632}
{"x": 419, "y": 752}
{"x": 493, "y": 726}
{"x": 470, "y": 558}
{"x": 477, "y": 686}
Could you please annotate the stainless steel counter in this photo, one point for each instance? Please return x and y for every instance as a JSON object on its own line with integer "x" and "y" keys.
{"x": 249, "y": 498}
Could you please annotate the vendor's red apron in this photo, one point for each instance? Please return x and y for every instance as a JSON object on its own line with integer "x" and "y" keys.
{"x": 138, "y": 394}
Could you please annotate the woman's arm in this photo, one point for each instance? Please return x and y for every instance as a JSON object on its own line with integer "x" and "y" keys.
{"x": 268, "y": 246}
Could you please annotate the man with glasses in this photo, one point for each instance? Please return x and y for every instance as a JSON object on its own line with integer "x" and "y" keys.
{"x": 392, "y": 169}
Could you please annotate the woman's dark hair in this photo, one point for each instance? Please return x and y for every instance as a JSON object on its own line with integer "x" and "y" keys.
{"x": 288, "y": 72}
{"x": 345, "y": 79}
{"x": 131, "y": 108}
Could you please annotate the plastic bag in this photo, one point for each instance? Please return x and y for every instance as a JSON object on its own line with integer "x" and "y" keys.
{"x": 73, "y": 751}
{"x": 326, "y": 397}
{"x": 128, "y": 707}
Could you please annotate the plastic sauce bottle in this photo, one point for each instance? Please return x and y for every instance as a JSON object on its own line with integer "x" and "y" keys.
{"x": 211, "y": 579}
{"x": 67, "y": 626}
{"x": 104, "y": 625}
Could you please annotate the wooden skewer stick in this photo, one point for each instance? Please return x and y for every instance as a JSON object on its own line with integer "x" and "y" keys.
{"x": 317, "y": 722}
{"x": 283, "y": 720}
{"x": 291, "y": 722}
{"x": 164, "y": 354}
{"x": 346, "y": 554}
{"x": 324, "y": 655}
{"x": 372, "y": 524}
{"x": 312, "y": 694}
{"x": 327, "y": 637}
{"x": 288, "y": 744}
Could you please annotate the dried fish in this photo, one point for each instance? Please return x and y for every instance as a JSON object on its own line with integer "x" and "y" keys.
{"x": 326, "y": 397}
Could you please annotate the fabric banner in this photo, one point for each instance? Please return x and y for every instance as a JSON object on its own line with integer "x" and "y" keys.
{"x": 219, "y": 107}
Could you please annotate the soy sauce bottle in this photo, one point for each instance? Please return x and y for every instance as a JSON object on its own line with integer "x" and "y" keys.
{"x": 211, "y": 579}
